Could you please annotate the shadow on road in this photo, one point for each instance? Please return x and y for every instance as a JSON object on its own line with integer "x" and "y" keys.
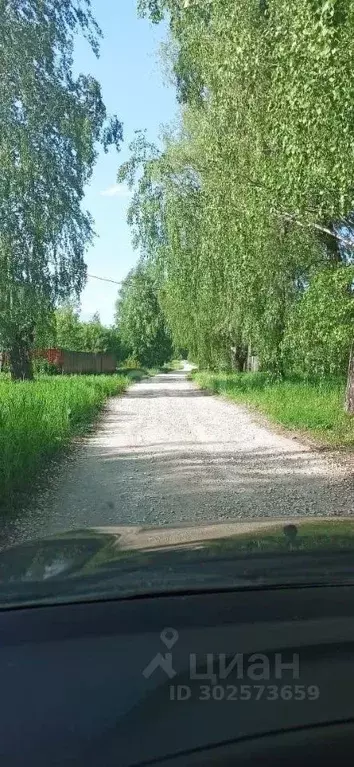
{"x": 166, "y": 378}
{"x": 141, "y": 393}
{"x": 183, "y": 483}
{"x": 148, "y": 464}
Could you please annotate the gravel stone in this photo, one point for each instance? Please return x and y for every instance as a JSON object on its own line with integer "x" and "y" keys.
{"x": 168, "y": 453}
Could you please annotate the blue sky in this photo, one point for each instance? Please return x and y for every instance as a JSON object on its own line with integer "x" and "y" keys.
{"x": 133, "y": 88}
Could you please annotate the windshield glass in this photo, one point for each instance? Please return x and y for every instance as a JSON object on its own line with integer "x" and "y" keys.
{"x": 176, "y": 296}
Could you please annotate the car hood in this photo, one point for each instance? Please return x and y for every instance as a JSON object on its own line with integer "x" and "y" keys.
{"x": 125, "y": 562}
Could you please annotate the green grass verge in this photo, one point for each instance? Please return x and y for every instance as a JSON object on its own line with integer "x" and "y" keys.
{"x": 38, "y": 419}
{"x": 172, "y": 365}
{"x": 134, "y": 374}
{"x": 316, "y": 407}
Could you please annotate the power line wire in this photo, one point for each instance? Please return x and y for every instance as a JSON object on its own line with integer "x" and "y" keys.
{"x": 103, "y": 279}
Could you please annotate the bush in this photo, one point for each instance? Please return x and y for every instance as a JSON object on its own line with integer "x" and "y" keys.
{"x": 41, "y": 366}
{"x": 131, "y": 363}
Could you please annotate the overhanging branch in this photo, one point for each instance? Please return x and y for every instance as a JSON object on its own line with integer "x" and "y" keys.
{"x": 318, "y": 227}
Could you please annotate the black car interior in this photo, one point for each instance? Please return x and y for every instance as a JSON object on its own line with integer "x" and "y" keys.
{"x": 99, "y": 683}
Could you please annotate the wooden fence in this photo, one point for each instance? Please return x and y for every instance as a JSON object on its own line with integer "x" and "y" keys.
{"x": 68, "y": 362}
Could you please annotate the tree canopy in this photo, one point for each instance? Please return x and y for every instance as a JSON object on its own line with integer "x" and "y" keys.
{"x": 65, "y": 330}
{"x": 140, "y": 320}
{"x": 245, "y": 210}
{"x": 51, "y": 123}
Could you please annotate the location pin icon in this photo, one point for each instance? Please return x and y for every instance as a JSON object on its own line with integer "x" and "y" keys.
{"x": 169, "y": 637}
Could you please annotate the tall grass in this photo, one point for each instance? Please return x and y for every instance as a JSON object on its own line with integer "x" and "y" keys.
{"x": 315, "y": 406}
{"x": 39, "y": 418}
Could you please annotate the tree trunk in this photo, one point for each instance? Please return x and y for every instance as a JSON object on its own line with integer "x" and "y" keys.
{"x": 20, "y": 362}
{"x": 278, "y": 365}
{"x": 238, "y": 358}
{"x": 349, "y": 396}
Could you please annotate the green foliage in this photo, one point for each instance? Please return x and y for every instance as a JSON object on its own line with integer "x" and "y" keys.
{"x": 42, "y": 366}
{"x": 51, "y": 123}
{"x": 131, "y": 362}
{"x": 153, "y": 8}
{"x": 313, "y": 405}
{"x": 68, "y": 330}
{"x": 134, "y": 373}
{"x": 38, "y": 419}
{"x": 65, "y": 330}
{"x": 319, "y": 334}
{"x": 95, "y": 337}
{"x": 244, "y": 209}
{"x": 140, "y": 319}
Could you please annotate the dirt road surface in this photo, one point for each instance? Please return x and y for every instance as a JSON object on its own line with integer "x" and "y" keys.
{"x": 167, "y": 453}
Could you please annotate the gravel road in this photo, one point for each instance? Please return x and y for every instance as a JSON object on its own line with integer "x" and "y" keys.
{"x": 166, "y": 453}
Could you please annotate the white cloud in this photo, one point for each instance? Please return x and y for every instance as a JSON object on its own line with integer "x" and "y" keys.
{"x": 117, "y": 190}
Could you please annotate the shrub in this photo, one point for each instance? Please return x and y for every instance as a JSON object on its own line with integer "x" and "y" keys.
{"x": 42, "y": 366}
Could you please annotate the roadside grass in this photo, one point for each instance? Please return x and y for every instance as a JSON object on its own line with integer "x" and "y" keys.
{"x": 134, "y": 374}
{"x": 173, "y": 365}
{"x": 38, "y": 419}
{"x": 137, "y": 373}
{"x": 312, "y": 406}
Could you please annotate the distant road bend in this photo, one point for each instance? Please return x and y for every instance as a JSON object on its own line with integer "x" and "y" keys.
{"x": 167, "y": 453}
